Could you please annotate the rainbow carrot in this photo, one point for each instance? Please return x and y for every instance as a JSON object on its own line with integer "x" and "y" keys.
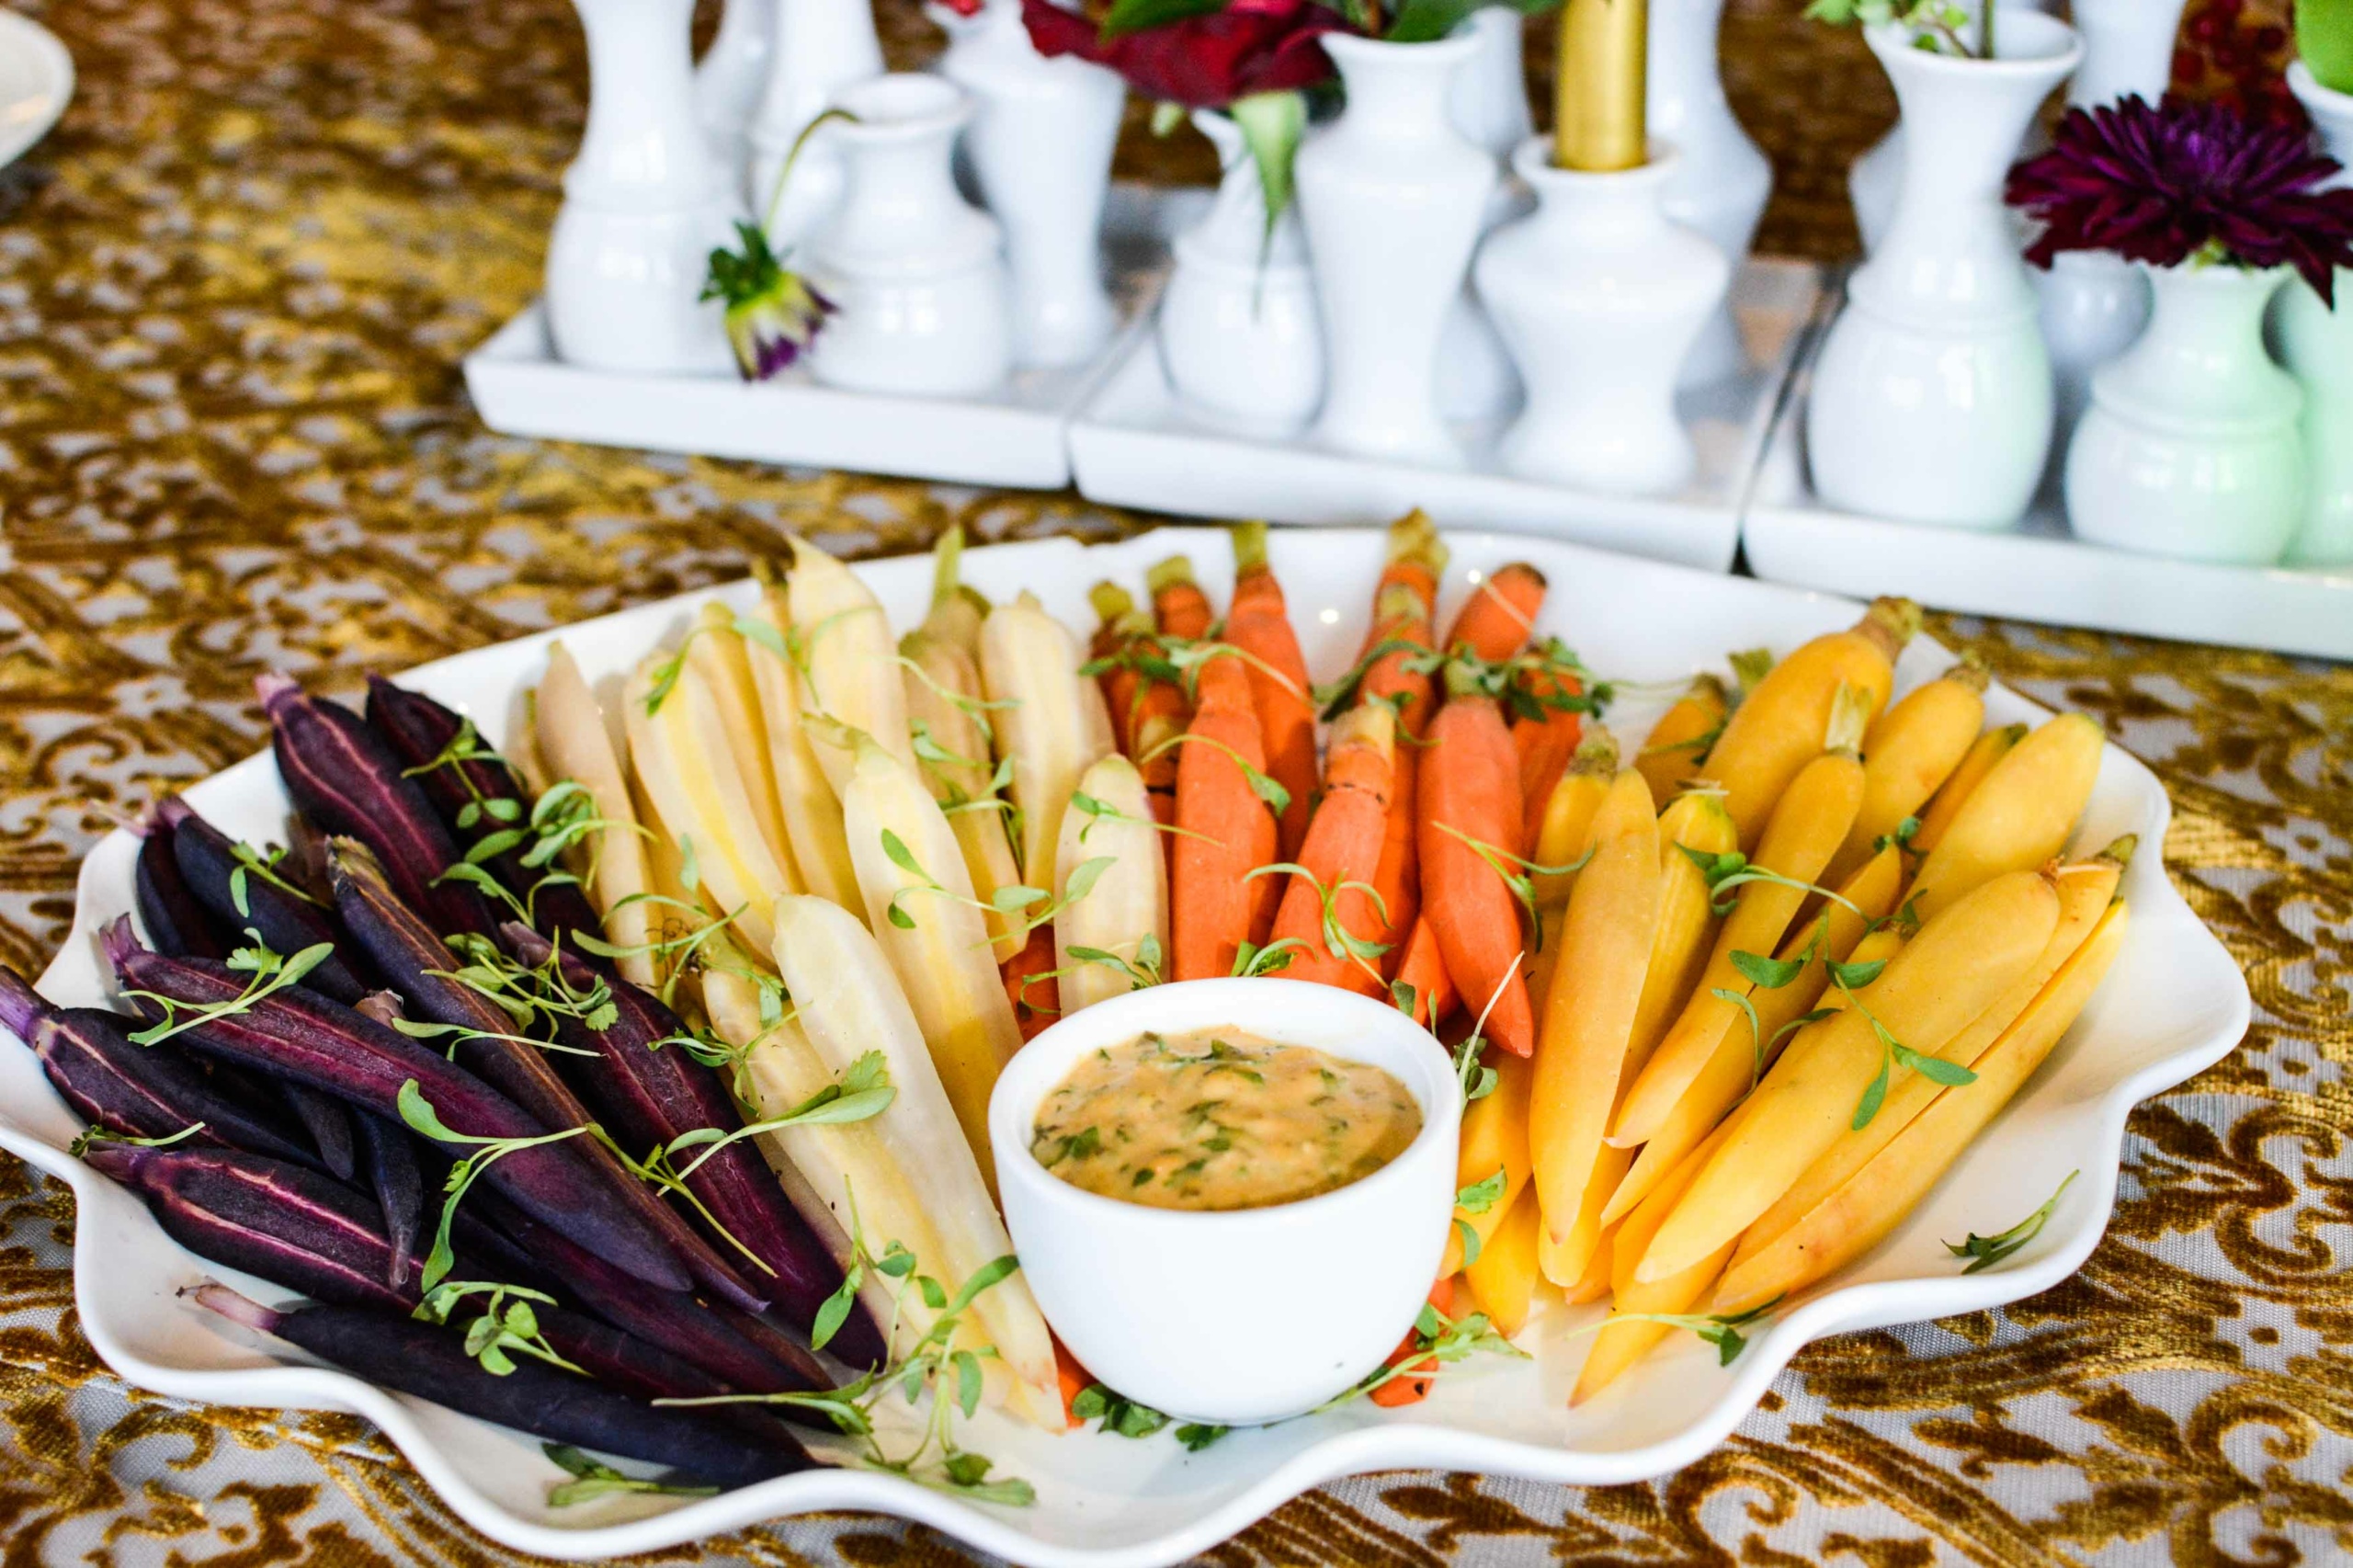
{"x": 1226, "y": 830}
{"x": 1500, "y": 614}
{"x": 1544, "y": 746}
{"x": 1470, "y": 820}
{"x": 1179, "y": 604}
{"x": 1030, "y": 986}
{"x": 1341, "y": 853}
{"x": 1401, "y": 615}
{"x": 1422, "y": 970}
{"x": 1259, "y": 624}
{"x": 1414, "y": 1387}
{"x": 1146, "y": 708}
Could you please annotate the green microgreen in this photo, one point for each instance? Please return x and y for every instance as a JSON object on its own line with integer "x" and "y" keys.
{"x": 1985, "y": 1252}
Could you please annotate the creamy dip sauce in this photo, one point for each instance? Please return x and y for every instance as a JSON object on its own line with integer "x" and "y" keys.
{"x": 1220, "y": 1118}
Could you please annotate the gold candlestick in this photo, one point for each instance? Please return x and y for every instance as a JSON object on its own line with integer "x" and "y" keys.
{"x": 1598, "y": 101}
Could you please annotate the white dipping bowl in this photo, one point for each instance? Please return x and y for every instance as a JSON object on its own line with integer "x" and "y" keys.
{"x": 1244, "y": 1315}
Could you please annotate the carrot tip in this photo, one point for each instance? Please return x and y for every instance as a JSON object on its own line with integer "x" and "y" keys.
{"x": 1168, "y": 574}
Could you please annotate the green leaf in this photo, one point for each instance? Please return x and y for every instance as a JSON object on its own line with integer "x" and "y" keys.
{"x": 968, "y": 1383}
{"x": 982, "y": 1278}
{"x": 1936, "y": 1069}
{"x": 1755, "y": 1025}
{"x": 1714, "y": 867}
{"x": 592, "y": 1480}
{"x": 1985, "y": 1252}
{"x": 1426, "y": 21}
{"x": 1480, "y": 1197}
{"x": 1471, "y": 1244}
{"x": 1136, "y": 16}
{"x": 1198, "y": 1435}
{"x": 1010, "y": 900}
{"x": 1874, "y": 1094}
{"x": 834, "y": 1312}
{"x": 1770, "y": 973}
{"x": 1854, "y": 976}
{"x": 900, "y": 856}
{"x": 1272, "y": 125}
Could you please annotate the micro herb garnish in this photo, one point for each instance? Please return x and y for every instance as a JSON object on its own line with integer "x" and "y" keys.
{"x": 1478, "y": 1079}
{"x": 1103, "y": 812}
{"x": 1731, "y": 871}
{"x": 1894, "y": 1053}
{"x": 974, "y": 708}
{"x": 1438, "y": 1339}
{"x": 1522, "y": 882}
{"x": 1985, "y": 1252}
{"x": 89, "y": 1135}
{"x": 930, "y": 1363}
{"x": 262, "y": 863}
{"x": 929, "y": 752}
{"x": 1121, "y": 1416}
{"x": 1274, "y": 796}
{"x": 1338, "y": 940}
{"x": 1937, "y": 25}
{"x": 417, "y": 1112}
{"x": 528, "y": 993}
{"x": 1477, "y": 1198}
{"x": 591, "y": 1480}
{"x": 1141, "y": 970}
{"x": 463, "y": 747}
{"x": 1905, "y": 832}
{"x": 1030, "y": 907}
{"x": 1251, "y": 960}
{"x": 862, "y": 1092}
{"x": 461, "y": 1034}
{"x": 269, "y": 973}
{"x": 1199, "y": 1434}
{"x": 680, "y": 945}
{"x": 1720, "y": 1330}
{"x": 508, "y": 1326}
{"x": 1337, "y": 696}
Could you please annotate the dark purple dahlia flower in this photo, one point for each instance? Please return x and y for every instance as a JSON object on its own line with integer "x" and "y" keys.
{"x": 2163, "y": 184}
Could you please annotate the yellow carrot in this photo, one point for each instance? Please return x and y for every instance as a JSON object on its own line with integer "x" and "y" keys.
{"x": 1910, "y": 749}
{"x": 2019, "y": 817}
{"x": 1678, "y": 744}
{"x": 812, "y": 815}
{"x": 1983, "y": 753}
{"x": 844, "y": 663}
{"x": 575, "y": 742}
{"x": 1686, "y": 926}
{"x": 1623, "y": 1340}
{"x": 1503, "y": 1277}
{"x": 1494, "y": 1137}
{"x": 951, "y": 736}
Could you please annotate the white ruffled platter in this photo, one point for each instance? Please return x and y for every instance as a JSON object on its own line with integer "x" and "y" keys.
{"x": 2174, "y": 1004}
{"x": 2038, "y": 573}
{"x": 1135, "y": 444}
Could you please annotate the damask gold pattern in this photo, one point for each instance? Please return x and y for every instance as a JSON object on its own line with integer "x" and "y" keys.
{"x": 235, "y": 287}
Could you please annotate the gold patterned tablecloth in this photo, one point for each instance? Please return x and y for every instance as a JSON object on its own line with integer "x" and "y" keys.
{"x": 235, "y": 287}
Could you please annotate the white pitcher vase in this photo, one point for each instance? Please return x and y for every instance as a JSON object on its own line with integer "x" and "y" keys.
{"x": 1722, "y": 182}
{"x": 916, "y": 274}
{"x": 730, "y": 77}
{"x": 2317, "y": 344}
{"x": 645, "y": 203}
{"x": 820, "y": 47}
{"x": 1600, "y": 296}
{"x": 1237, "y": 328}
{"x": 1932, "y": 400}
{"x": 1476, "y": 380}
{"x": 2094, "y": 303}
{"x": 2189, "y": 448}
{"x": 1391, "y": 195}
{"x": 1041, "y": 149}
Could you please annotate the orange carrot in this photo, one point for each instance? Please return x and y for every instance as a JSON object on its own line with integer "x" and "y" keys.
{"x": 1073, "y": 1378}
{"x": 1414, "y": 1387}
{"x": 1226, "y": 831}
{"x": 1401, "y": 614}
{"x": 1145, "y": 709}
{"x": 1469, "y": 798}
{"x": 1423, "y": 967}
{"x": 1035, "y": 1003}
{"x": 1494, "y": 623}
{"x": 1545, "y": 745}
{"x": 1415, "y": 558}
{"x": 1259, "y": 624}
{"x": 1177, "y": 602}
{"x": 1343, "y": 847}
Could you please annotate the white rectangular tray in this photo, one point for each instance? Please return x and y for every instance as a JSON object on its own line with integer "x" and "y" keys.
{"x": 1015, "y": 436}
{"x": 1135, "y": 445}
{"x": 2039, "y": 573}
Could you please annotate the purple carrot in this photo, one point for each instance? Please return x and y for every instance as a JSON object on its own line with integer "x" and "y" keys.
{"x": 649, "y": 1096}
{"x": 175, "y": 921}
{"x": 329, "y": 1125}
{"x": 299, "y": 1035}
{"x": 346, "y": 781}
{"x": 419, "y": 730}
{"x": 429, "y": 1362}
{"x": 404, "y": 950}
{"x": 678, "y": 1323}
{"x": 285, "y": 922}
{"x": 144, "y": 1092}
{"x": 390, "y": 1159}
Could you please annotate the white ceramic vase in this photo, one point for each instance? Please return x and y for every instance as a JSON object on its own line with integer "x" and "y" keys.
{"x": 1039, "y": 147}
{"x": 820, "y": 47}
{"x": 1391, "y": 195}
{"x": 2317, "y": 344}
{"x": 916, "y": 273}
{"x": 1600, "y": 296}
{"x": 1932, "y": 399}
{"x": 1722, "y": 182}
{"x": 645, "y": 203}
{"x": 1476, "y": 381}
{"x": 1237, "y": 327}
{"x": 729, "y": 78}
{"x": 2189, "y": 448}
{"x": 2094, "y": 303}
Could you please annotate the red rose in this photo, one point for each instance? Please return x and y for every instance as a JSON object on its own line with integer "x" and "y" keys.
{"x": 1252, "y": 46}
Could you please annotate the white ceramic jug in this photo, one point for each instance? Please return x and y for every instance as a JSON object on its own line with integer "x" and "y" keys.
{"x": 1476, "y": 381}
{"x": 1722, "y": 182}
{"x": 645, "y": 203}
{"x": 2317, "y": 344}
{"x": 730, "y": 77}
{"x": 821, "y": 47}
{"x": 1237, "y": 327}
{"x": 917, "y": 275}
{"x": 1932, "y": 399}
{"x": 1391, "y": 195}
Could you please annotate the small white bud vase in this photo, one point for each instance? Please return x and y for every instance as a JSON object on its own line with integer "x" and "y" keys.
{"x": 1391, "y": 195}
{"x": 2189, "y": 448}
{"x": 729, "y": 78}
{"x": 915, "y": 273}
{"x": 819, "y": 48}
{"x": 1932, "y": 401}
{"x": 1476, "y": 381}
{"x": 645, "y": 203}
{"x": 1600, "y": 296}
{"x": 2317, "y": 344}
{"x": 1240, "y": 340}
{"x": 1041, "y": 147}
{"x": 2094, "y": 303}
{"x": 1722, "y": 182}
